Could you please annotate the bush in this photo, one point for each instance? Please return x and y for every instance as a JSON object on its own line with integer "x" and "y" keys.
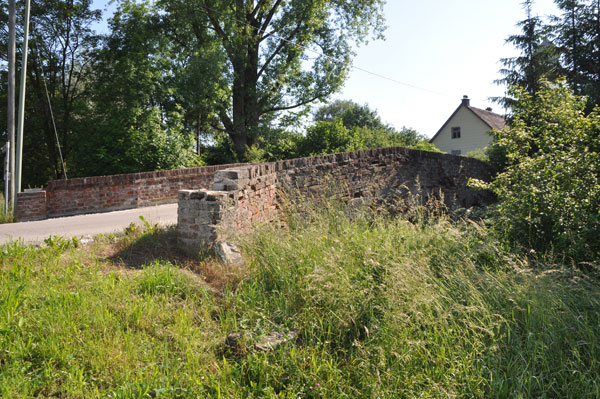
{"x": 549, "y": 190}
{"x": 330, "y": 137}
{"x": 480, "y": 154}
{"x": 327, "y": 138}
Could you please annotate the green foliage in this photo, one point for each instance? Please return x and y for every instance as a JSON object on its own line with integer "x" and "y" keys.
{"x": 164, "y": 279}
{"x": 134, "y": 128}
{"x": 60, "y": 243}
{"x": 577, "y": 32}
{"x": 5, "y": 217}
{"x": 327, "y": 138}
{"x": 364, "y": 130}
{"x": 351, "y": 114}
{"x": 331, "y": 137}
{"x": 281, "y": 144}
{"x": 482, "y": 155}
{"x": 339, "y": 127}
{"x": 425, "y": 145}
{"x": 61, "y": 48}
{"x": 539, "y": 57}
{"x": 389, "y": 137}
{"x": 73, "y": 329}
{"x": 550, "y": 189}
{"x": 388, "y": 308}
{"x": 558, "y": 45}
{"x": 255, "y": 154}
{"x": 117, "y": 100}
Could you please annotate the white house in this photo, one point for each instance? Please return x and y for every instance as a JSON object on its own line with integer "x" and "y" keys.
{"x": 467, "y": 129}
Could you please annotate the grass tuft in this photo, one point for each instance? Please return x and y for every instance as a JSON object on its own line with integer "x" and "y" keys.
{"x": 5, "y": 217}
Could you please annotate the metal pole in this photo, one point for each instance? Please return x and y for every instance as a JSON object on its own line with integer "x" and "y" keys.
{"x": 6, "y": 150}
{"x": 12, "y": 38}
{"x": 21, "y": 120}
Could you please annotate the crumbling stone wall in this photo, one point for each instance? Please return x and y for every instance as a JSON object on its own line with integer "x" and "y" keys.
{"x": 245, "y": 195}
{"x": 239, "y": 197}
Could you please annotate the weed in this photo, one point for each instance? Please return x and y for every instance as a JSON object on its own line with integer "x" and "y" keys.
{"x": 5, "y": 217}
{"x": 163, "y": 279}
{"x": 57, "y": 242}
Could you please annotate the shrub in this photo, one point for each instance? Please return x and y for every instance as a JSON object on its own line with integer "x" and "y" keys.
{"x": 549, "y": 190}
{"x": 327, "y": 138}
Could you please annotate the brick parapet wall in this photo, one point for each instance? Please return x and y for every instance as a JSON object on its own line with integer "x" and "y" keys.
{"x": 118, "y": 192}
{"x": 32, "y": 206}
{"x": 248, "y": 194}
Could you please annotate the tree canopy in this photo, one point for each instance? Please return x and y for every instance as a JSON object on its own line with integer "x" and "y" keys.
{"x": 351, "y": 114}
{"x": 136, "y": 124}
{"x": 565, "y": 45}
{"x": 280, "y": 55}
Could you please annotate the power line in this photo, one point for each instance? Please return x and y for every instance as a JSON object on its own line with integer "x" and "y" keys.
{"x": 397, "y": 81}
{"x": 62, "y": 161}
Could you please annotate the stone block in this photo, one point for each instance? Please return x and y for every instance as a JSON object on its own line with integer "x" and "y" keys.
{"x": 227, "y": 252}
{"x": 215, "y": 195}
{"x": 211, "y": 206}
{"x": 198, "y": 194}
{"x": 227, "y": 174}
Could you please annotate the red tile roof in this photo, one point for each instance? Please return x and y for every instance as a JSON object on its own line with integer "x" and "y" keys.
{"x": 493, "y": 120}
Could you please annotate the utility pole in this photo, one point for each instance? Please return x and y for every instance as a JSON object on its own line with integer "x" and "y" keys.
{"x": 21, "y": 121}
{"x": 12, "y": 38}
{"x": 6, "y": 150}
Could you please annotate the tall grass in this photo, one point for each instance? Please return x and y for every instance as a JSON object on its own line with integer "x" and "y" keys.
{"x": 5, "y": 217}
{"x": 384, "y": 308}
{"x": 423, "y": 309}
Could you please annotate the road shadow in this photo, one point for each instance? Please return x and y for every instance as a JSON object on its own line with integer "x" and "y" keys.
{"x": 144, "y": 245}
{"x": 141, "y": 246}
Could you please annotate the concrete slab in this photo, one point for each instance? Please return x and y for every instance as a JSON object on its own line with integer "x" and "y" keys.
{"x": 87, "y": 225}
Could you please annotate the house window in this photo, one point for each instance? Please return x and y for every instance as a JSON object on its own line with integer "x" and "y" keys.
{"x": 455, "y": 152}
{"x": 456, "y": 132}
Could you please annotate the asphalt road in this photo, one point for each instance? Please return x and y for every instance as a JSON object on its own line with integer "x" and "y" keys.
{"x": 86, "y": 225}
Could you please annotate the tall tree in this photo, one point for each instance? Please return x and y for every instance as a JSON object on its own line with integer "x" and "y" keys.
{"x": 538, "y": 58}
{"x": 578, "y": 34}
{"x": 570, "y": 37}
{"x": 198, "y": 75}
{"x": 351, "y": 114}
{"x": 280, "y": 55}
{"x": 359, "y": 126}
{"x": 61, "y": 47}
{"x": 137, "y": 124}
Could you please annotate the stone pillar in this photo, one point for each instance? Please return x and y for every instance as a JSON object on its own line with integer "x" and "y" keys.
{"x": 198, "y": 215}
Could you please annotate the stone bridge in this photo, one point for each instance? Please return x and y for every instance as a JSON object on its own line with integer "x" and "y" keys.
{"x": 245, "y": 195}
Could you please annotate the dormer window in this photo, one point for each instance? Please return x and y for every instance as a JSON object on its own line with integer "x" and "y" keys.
{"x": 456, "y": 132}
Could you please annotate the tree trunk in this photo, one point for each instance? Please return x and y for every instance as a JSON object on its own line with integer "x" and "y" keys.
{"x": 245, "y": 99}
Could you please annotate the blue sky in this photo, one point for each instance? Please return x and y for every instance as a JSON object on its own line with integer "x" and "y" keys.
{"x": 450, "y": 47}
{"x": 446, "y": 48}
